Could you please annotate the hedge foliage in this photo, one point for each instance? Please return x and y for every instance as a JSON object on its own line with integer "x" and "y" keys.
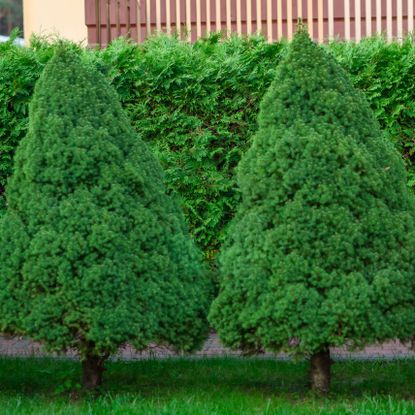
{"x": 197, "y": 106}
{"x": 385, "y": 73}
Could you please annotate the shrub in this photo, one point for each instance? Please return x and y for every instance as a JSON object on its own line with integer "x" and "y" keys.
{"x": 93, "y": 252}
{"x": 320, "y": 252}
{"x": 196, "y": 105}
{"x": 20, "y": 69}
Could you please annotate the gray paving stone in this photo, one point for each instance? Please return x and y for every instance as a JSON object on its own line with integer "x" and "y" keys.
{"x": 21, "y": 347}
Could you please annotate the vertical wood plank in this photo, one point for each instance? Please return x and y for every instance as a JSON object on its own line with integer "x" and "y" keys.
{"x": 331, "y": 18}
{"x": 279, "y": 20}
{"x": 118, "y": 18}
{"x": 389, "y": 33}
{"x": 109, "y": 22}
{"x": 258, "y": 16}
{"x": 320, "y": 21}
{"x": 368, "y": 13}
{"x": 178, "y": 18}
{"x": 310, "y": 18}
{"x": 218, "y": 16}
{"x": 357, "y": 20}
{"x": 238, "y": 17}
{"x": 168, "y": 17}
{"x": 410, "y": 16}
{"x": 158, "y": 16}
{"x": 347, "y": 19}
{"x": 228, "y": 18}
{"x": 148, "y": 17}
{"x": 399, "y": 19}
{"x": 138, "y": 22}
{"x": 98, "y": 21}
{"x": 300, "y": 8}
{"x": 128, "y": 18}
{"x": 208, "y": 17}
{"x": 269, "y": 20}
{"x": 290, "y": 19}
{"x": 248, "y": 17}
{"x": 188, "y": 20}
{"x": 379, "y": 16}
{"x": 198, "y": 19}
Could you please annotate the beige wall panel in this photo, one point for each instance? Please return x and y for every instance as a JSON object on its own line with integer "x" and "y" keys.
{"x": 65, "y": 18}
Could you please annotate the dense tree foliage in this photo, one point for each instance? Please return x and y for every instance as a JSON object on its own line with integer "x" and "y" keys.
{"x": 196, "y": 105}
{"x": 320, "y": 253}
{"x": 93, "y": 251}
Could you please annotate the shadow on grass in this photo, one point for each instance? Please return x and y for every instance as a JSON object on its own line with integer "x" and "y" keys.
{"x": 204, "y": 378}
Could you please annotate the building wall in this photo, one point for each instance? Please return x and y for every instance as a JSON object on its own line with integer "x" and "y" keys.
{"x": 65, "y": 18}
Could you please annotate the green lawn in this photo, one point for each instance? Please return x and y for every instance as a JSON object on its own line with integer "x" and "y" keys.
{"x": 207, "y": 386}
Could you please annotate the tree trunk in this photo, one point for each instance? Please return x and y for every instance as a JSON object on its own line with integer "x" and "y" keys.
{"x": 320, "y": 371}
{"x": 92, "y": 370}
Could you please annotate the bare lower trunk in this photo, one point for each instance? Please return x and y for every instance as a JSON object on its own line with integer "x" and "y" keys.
{"x": 320, "y": 364}
{"x": 92, "y": 370}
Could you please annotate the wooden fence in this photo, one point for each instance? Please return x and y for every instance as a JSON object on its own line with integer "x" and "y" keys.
{"x": 325, "y": 19}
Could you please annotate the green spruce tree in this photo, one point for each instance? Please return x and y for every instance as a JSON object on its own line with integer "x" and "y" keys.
{"x": 94, "y": 253}
{"x": 321, "y": 252}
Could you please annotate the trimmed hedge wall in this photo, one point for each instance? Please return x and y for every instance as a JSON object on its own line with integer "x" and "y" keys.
{"x": 197, "y": 106}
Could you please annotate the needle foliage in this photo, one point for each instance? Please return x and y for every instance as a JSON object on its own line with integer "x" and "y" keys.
{"x": 94, "y": 252}
{"x": 321, "y": 250}
{"x": 196, "y": 105}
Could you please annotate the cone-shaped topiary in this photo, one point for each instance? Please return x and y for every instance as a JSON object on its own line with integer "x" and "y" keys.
{"x": 321, "y": 252}
{"x": 94, "y": 253}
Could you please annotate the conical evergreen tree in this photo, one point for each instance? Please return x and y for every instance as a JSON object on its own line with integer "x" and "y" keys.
{"x": 321, "y": 252}
{"x": 94, "y": 253}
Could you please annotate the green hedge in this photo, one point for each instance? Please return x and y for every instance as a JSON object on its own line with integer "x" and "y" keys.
{"x": 386, "y": 74}
{"x": 197, "y": 106}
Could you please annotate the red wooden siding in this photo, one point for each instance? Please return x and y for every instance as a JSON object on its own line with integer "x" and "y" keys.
{"x": 274, "y": 18}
